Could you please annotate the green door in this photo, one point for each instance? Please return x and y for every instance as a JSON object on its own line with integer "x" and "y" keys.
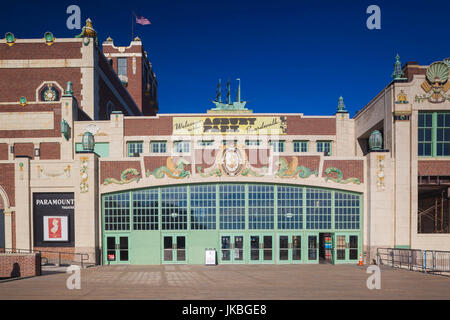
{"x": 261, "y": 248}
{"x": 231, "y": 248}
{"x": 312, "y": 248}
{"x": 117, "y": 249}
{"x": 174, "y": 249}
{"x": 289, "y": 248}
{"x": 346, "y": 248}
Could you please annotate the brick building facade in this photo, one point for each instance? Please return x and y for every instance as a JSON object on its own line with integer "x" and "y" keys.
{"x": 88, "y": 165}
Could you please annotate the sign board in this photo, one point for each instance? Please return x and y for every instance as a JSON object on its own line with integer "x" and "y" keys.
{"x": 53, "y": 215}
{"x": 229, "y": 125}
{"x": 111, "y": 257}
{"x": 210, "y": 257}
{"x": 55, "y": 228}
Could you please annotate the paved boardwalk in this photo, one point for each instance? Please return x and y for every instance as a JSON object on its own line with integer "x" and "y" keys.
{"x": 254, "y": 282}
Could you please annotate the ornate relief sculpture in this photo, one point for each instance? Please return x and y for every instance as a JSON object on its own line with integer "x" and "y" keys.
{"x": 436, "y": 84}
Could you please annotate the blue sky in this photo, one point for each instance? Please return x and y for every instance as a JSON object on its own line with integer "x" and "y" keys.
{"x": 291, "y": 56}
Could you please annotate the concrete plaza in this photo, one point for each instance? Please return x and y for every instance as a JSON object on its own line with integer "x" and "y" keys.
{"x": 252, "y": 282}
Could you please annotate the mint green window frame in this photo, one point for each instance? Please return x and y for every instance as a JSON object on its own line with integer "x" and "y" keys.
{"x": 174, "y": 208}
{"x": 229, "y": 142}
{"x": 203, "y": 207}
{"x": 135, "y": 147}
{"x": 425, "y": 132}
{"x": 158, "y": 146}
{"x": 182, "y": 146}
{"x": 100, "y": 148}
{"x": 252, "y": 142}
{"x": 116, "y": 209}
{"x": 205, "y": 143}
{"x": 433, "y": 134}
{"x": 261, "y": 204}
{"x": 324, "y": 146}
{"x": 145, "y": 209}
{"x": 290, "y": 207}
{"x": 300, "y": 146}
{"x": 277, "y": 146}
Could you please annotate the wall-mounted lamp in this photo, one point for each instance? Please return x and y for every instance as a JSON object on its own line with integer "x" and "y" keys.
{"x": 37, "y": 152}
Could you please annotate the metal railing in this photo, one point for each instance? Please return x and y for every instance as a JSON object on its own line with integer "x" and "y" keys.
{"x": 59, "y": 258}
{"x": 432, "y": 261}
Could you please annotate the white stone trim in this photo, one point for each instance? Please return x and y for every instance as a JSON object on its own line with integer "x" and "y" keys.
{"x": 41, "y": 63}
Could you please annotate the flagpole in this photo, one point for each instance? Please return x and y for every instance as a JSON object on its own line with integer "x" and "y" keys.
{"x": 132, "y": 26}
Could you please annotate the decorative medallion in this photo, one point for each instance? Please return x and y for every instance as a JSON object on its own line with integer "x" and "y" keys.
{"x": 436, "y": 84}
{"x": 23, "y": 101}
{"x": 49, "y": 38}
{"x": 10, "y": 39}
{"x": 401, "y": 98}
{"x": 231, "y": 161}
{"x": 50, "y": 93}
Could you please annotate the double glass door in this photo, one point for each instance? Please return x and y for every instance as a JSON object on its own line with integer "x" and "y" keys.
{"x": 346, "y": 248}
{"x": 290, "y": 248}
{"x": 261, "y": 248}
{"x": 117, "y": 249}
{"x": 232, "y": 248}
{"x": 174, "y": 249}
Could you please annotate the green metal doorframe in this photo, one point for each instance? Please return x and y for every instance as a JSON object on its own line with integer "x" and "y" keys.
{"x": 116, "y": 235}
{"x": 174, "y": 234}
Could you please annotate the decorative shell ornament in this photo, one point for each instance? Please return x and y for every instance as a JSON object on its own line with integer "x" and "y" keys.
{"x": 437, "y": 72}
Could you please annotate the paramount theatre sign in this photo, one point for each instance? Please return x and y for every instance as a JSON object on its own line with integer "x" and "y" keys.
{"x": 229, "y": 125}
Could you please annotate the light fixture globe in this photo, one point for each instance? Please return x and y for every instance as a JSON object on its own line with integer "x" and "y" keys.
{"x": 88, "y": 142}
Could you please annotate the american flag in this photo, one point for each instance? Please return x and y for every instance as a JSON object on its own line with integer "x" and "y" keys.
{"x": 142, "y": 21}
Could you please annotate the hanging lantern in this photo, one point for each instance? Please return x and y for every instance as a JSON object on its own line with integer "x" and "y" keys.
{"x": 375, "y": 141}
{"x": 65, "y": 129}
{"x": 88, "y": 141}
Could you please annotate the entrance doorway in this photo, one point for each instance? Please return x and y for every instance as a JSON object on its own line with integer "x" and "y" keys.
{"x": 232, "y": 248}
{"x": 326, "y": 248}
{"x": 261, "y": 248}
{"x": 174, "y": 249}
{"x": 117, "y": 249}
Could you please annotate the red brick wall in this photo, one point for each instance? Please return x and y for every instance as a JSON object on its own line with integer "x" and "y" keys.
{"x": 4, "y": 151}
{"x": 311, "y": 126}
{"x": 117, "y": 84}
{"x": 55, "y": 132}
{"x": 50, "y": 151}
{"x": 349, "y": 168}
{"x": 148, "y": 127}
{"x": 433, "y": 168}
{"x": 59, "y": 50}
{"x": 113, "y": 169}
{"x": 13, "y": 229}
{"x": 24, "y": 149}
{"x": 53, "y": 253}
{"x": 7, "y": 181}
{"x": 25, "y": 81}
{"x": 28, "y": 265}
